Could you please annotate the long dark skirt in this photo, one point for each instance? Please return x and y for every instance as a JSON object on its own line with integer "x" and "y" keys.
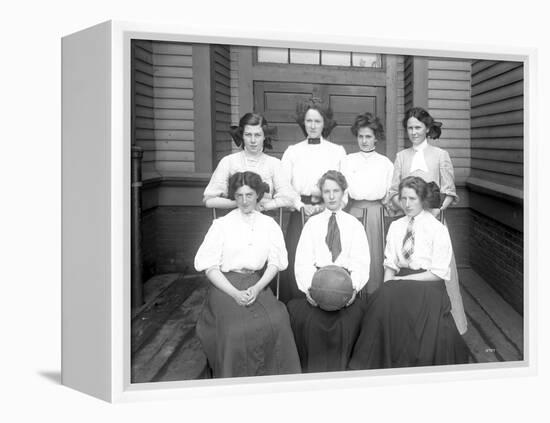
{"x": 247, "y": 341}
{"x": 374, "y": 236}
{"x": 408, "y": 323}
{"x": 324, "y": 339}
{"x": 288, "y": 289}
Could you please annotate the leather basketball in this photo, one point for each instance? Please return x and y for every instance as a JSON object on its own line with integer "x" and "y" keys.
{"x": 331, "y": 288}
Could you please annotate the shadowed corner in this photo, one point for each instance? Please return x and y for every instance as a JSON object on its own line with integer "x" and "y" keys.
{"x": 52, "y": 376}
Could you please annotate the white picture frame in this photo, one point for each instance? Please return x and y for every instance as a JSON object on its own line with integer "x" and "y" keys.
{"x": 96, "y": 228}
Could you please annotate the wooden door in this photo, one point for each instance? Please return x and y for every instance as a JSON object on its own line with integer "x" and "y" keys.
{"x": 277, "y": 102}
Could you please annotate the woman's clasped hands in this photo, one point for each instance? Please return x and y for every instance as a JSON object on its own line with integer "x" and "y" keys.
{"x": 246, "y": 297}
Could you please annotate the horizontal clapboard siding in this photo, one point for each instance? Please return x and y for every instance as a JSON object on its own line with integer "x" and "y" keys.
{"x": 497, "y": 122}
{"x": 222, "y": 99}
{"x": 401, "y": 100}
{"x": 143, "y": 114}
{"x": 449, "y": 102}
{"x": 234, "y": 85}
{"x": 163, "y": 106}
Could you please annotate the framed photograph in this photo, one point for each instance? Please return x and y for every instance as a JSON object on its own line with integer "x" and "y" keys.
{"x": 148, "y": 113}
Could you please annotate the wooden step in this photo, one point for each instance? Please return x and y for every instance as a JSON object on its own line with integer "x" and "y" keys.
{"x": 165, "y": 330}
{"x": 495, "y": 329}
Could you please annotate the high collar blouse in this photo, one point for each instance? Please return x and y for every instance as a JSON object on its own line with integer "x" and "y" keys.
{"x": 304, "y": 164}
{"x": 369, "y": 175}
{"x": 237, "y": 242}
{"x": 312, "y": 251}
{"x": 432, "y": 246}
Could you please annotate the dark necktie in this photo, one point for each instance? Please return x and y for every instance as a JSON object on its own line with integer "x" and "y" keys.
{"x": 314, "y": 140}
{"x": 333, "y": 237}
{"x": 408, "y": 240}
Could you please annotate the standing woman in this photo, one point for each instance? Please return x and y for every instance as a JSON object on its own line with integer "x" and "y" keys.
{"x": 408, "y": 321}
{"x": 433, "y": 165}
{"x": 253, "y": 135}
{"x": 304, "y": 163}
{"x": 243, "y": 329}
{"x": 325, "y": 339}
{"x": 369, "y": 176}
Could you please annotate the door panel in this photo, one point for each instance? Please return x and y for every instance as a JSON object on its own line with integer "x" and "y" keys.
{"x": 277, "y": 102}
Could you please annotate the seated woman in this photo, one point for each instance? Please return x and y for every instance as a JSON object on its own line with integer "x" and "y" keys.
{"x": 408, "y": 321}
{"x": 369, "y": 175}
{"x": 253, "y": 135}
{"x": 325, "y": 338}
{"x": 243, "y": 329}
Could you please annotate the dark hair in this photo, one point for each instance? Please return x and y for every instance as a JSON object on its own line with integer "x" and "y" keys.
{"x": 253, "y": 119}
{"x": 428, "y": 192}
{"x": 368, "y": 120}
{"x": 324, "y": 110}
{"x": 433, "y": 127}
{"x": 251, "y": 179}
{"x": 335, "y": 176}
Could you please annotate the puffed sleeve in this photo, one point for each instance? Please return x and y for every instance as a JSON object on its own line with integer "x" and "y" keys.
{"x": 277, "y": 255}
{"x": 304, "y": 263}
{"x": 341, "y": 156}
{"x": 360, "y": 257}
{"x": 217, "y": 187}
{"x": 442, "y": 253}
{"x": 446, "y": 175}
{"x": 390, "y": 253}
{"x": 210, "y": 252}
{"x": 284, "y": 194}
{"x": 396, "y": 176}
{"x": 287, "y": 164}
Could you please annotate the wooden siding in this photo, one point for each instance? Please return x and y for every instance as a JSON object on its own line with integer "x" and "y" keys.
{"x": 449, "y": 103}
{"x": 234, "y": 85}
{"x": 163, "y": 106}
{"x": 497, "y": 123}
{"x": 401, "y": 101}
{"x": 221, "y": 64}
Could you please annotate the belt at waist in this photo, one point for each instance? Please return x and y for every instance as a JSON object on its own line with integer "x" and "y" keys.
{"x": 309, "y": 199}
{"x": 244, "y": 271}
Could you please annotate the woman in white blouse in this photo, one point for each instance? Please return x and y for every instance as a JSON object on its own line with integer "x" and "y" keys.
{"x": 253, "y": 135}
{"x": 325, "y": 338}
{"x": 369, "y": 176}
{"x": 304, "y": 163}
{"x": 408, "y": 321}
{"x": 243, "y": 328}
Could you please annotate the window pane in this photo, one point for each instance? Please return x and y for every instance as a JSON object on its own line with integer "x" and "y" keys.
{"x": 310, "y": 57}
{"x": 335, "y": 58}
{"x": 367, "y": 60}
{"x": 272, "y": 55}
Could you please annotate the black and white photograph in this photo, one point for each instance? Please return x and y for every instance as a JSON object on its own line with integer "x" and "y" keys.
{"x": 310, "y": 210}
{"x": 240, "y": 211}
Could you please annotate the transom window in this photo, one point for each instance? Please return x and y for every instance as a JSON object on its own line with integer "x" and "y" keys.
{"x": 319, "y": 57}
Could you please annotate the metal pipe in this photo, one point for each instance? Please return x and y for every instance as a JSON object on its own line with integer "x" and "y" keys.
{"x": 137, "y": 260}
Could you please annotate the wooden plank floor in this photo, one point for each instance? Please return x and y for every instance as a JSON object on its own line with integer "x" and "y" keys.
{"x": 165, "y": 346}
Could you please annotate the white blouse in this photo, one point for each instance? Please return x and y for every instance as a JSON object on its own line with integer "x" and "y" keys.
{"x": 268, "y": 167}
{"x": 369, "y": 175}
{"x": 237, "y": 242}
{"x": 312, "y": 251}
{"x": 304, "y": 164}
{"x": 432, "y": 246}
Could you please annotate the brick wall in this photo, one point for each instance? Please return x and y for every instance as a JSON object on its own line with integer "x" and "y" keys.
{"x": 496, "y": 254}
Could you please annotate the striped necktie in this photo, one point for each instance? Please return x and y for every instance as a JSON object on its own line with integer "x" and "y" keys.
{"x": 408, "y": 240}
{"x": 333, "y": 237}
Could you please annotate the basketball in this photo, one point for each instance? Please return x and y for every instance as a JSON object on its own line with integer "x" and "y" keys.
{"x": 331, "y": 288}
